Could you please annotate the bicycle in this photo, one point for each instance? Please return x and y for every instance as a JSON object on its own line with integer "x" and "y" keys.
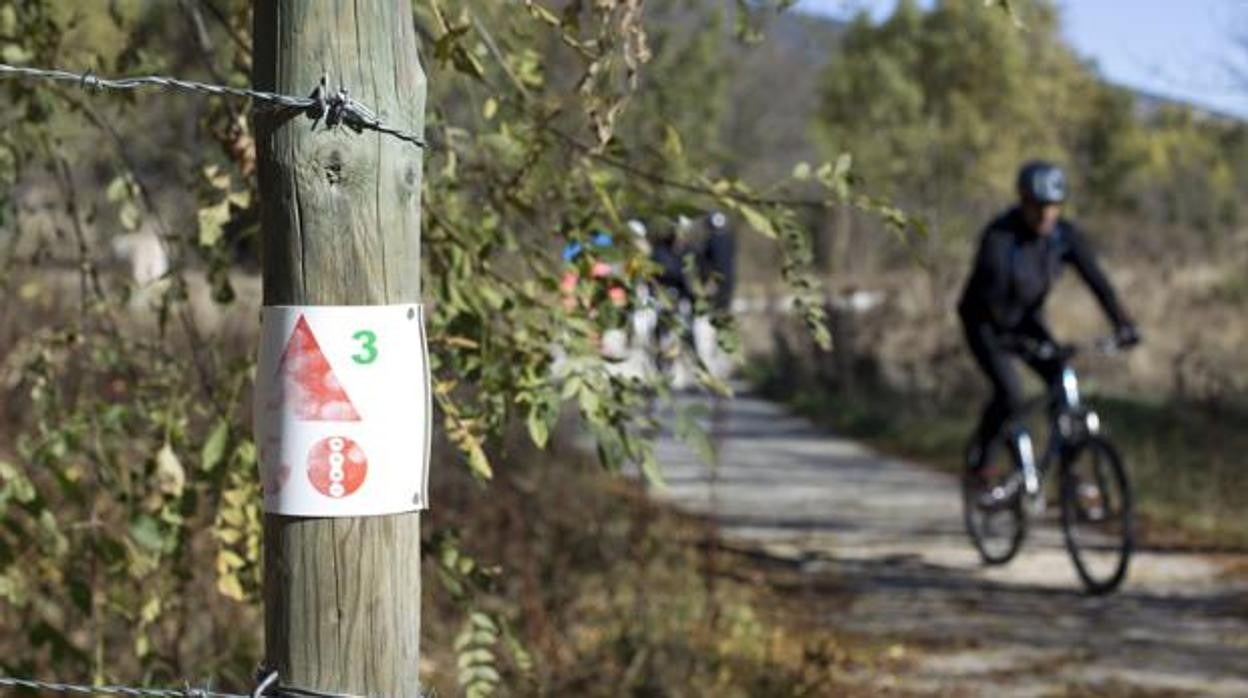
{"x": 1093, "y": 488}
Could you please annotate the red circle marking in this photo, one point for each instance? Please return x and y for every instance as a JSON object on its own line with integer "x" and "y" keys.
{"x": 337, "y": 466}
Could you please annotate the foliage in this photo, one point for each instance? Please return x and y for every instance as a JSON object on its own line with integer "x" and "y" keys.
{"x": 515, "y": 180}
{"x": 127, "y": 448}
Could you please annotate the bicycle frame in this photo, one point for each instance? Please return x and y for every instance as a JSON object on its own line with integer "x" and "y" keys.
{"x": 1070, "y": 423}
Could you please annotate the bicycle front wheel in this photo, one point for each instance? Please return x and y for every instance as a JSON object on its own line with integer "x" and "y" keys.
{"x": 1097, "y": 514}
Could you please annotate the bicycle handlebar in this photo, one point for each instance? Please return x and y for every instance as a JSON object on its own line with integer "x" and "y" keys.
{"x": 1105, "y": 346}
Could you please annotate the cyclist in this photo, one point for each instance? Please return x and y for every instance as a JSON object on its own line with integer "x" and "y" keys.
{"x": 667, "y": 252}
{"x": 1020, "y": 255}
{"x": 717, "y": 260}
{"x": 716, "y": 257}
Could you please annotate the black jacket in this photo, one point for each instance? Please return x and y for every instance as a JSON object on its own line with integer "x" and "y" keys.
{"x": 671, "y": 270}
{"x": 718, "y": 263}
{"x": 1015, "y": 268}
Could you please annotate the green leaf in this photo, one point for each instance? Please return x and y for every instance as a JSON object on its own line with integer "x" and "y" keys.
{"x": 672, "y": 145}
{"x": 590, "y": 401}
{"x": 145, "y": 531}
{"x": 118, "y": 190}
{"x": 150, "y": 611}
{"x": 843, "y": 162}
{"x": 519, "y": 655}
{"x": 542, "y": 13}
{"x": 240, "y": 199}
{"x": 228, "y": 560}
{"x": 478, "y": 656}
{"x": 245, "y": 453}
{"x": 487, "y": 674}
{"x": 840, "y": 174}
{"x": 22, "y": 488}
{"x": 651, "y": 469}
{"x": 230, "y": 587}
{"x": 129, "y": 216}
{"x": 478, "y": 462}
{"x": 539, "y": 431}
{"x": 217, "y": 178}
{"x": 212, "y": 220}
{"x": 571, "y": 386}
{"x": 483, "y": 621}
{"x": 214, "y": 446}
{"x": 756, "y": 220}
{"x": 14, "y": 53}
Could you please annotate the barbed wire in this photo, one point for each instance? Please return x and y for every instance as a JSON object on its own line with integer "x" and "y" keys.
{"x": 268, "y": 685}
{"x": 129, "y": 692}
{"x": 336, "y": 107}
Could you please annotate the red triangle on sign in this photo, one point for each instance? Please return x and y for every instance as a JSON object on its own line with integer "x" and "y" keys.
{"x": 308, "y": 385}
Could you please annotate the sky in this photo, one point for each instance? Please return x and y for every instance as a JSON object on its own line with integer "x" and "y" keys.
{"x": 1183, "y": 49}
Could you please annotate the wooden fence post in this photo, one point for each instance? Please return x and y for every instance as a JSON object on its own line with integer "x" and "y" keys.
{"x": 341, "y": 226}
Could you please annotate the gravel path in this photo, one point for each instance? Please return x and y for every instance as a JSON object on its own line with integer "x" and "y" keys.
{"x": 882, "y": 543}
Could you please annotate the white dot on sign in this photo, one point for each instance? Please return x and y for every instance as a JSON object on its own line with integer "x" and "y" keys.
{"x": 331, "y": 382}
{"x": 336, "y": 459}
{"x": 337, "y": 444}
{"x": 337, "y": 490}
{"x": 337, "y": 475}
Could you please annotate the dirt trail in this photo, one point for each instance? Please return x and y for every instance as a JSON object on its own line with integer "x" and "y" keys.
{"x": 882, "y": 542}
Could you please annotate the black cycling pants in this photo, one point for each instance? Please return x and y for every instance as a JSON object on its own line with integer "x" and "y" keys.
{"x": 990, "y": 348}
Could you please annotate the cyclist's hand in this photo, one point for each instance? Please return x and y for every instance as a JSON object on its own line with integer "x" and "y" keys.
{"x": 1126, "y": 336}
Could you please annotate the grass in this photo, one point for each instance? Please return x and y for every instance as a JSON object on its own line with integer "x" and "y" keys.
{"x": 1187, "y": 462}
{"x": 1188, "y": 468}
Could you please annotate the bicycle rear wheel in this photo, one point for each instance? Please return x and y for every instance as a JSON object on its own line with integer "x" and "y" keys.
{"x": 1097, "y": 514}
{"x": 992, "y": 507}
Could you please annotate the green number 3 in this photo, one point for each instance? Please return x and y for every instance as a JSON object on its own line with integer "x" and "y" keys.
{"x": 368, "y": 343}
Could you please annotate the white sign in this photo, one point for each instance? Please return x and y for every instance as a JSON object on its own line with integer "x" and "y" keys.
{"x": 342, "y": 410}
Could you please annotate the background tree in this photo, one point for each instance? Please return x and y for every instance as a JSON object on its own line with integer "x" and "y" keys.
{"x": 941, "y": 106}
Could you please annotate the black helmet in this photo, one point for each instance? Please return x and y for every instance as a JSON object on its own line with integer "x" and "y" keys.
{"x": 1042, "y": 182}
